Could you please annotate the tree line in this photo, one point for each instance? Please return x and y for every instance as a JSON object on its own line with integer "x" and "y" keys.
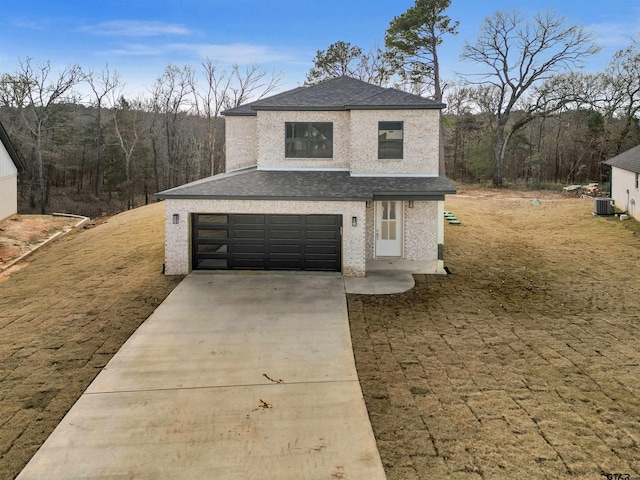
{"x": 108, "y": 150}
{"x": 525, "y": 111}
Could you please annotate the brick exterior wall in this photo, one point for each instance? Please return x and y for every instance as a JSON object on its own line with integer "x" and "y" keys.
{"x": 420, "y": 142}
{"x": 259, "y": 141}
{"x": 271, "y": 138}
{"x": 178, "y": 236}
{"x": 241, "y": 142}
{"x": 371, "y": 231}
{"x": 421, "y": 231}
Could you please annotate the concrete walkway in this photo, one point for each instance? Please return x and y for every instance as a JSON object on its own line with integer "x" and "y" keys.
{"x": 232, "y": 377}
{"x": 389, "y": 275}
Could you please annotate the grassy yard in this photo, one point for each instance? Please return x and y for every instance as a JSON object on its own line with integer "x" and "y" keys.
{"x": 524, "y": 363}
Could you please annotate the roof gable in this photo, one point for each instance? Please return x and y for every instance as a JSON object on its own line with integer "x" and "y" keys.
{"x": 629, "y": 160}
{"x": 4, "y": 138}
{"x": 341, "y": 93}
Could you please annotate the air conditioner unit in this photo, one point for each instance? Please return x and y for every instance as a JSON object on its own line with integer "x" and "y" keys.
{"x": 604, "y": 206}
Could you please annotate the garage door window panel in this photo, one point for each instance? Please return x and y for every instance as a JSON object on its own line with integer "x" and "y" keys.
{"x": 270, "y": 242}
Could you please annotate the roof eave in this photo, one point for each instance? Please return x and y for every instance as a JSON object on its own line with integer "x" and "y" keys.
{"x": 417, "y": 196}
{"x": 13, "y": 154}
{"x": 280, "y": 198}
{"x": 301, "y": 108}
{"x": 435, "y": 106}
{"x": 337, "y": 108}
{"x": 239, "y": 114}
{"x": 623, "y": 166}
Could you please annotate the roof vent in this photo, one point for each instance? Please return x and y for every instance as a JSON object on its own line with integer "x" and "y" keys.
{"x": 604, "y": 206}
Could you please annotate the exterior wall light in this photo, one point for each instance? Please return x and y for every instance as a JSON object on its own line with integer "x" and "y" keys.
{"x": 410, "y": 203}
{"x": 354, "y": 221}
{"x": 176, "y": 218}
{"x": 369, "y": 203}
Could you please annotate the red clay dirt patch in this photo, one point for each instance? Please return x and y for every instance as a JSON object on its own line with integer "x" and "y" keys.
{"x": 20, "y": 234}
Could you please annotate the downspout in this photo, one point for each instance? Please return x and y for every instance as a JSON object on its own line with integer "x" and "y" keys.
{"x": 440, "y": 268}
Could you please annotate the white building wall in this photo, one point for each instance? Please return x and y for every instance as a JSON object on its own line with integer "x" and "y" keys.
{"x": 8, "y": 195}
{"x": 271, "y": 140}
{"x": 420, "y": 142}
{"x": 178, "y": 241}
{"x": 621, "y": 182}
{"x": 8, "y": 184}
{"x": 241, "y": 145}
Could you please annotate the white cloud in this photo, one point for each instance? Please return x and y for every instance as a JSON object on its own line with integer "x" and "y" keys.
{"x": 241, "y": 53}
{"x": 134, "y": 28}
{"x": 143, "y": 61}
{"x": 31, "y": 24}
{"x": 137, "y": 50}
{"x": 615, "y": 35}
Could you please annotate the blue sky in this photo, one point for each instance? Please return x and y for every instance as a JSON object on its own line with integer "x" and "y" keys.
{"x": 140, "y": 37}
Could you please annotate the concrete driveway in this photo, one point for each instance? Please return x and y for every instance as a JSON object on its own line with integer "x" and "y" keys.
{"x": 232, "y": 377}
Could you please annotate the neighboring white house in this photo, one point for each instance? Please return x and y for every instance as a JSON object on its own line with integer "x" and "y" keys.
{"x": 10, "y": 166}
{"x": 325, "y": 177}
{"x": 625, "y": 181}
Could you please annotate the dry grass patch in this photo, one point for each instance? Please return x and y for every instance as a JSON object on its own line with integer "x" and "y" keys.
{"x": 522, "y": 364}
{"x": 64, "y": 316}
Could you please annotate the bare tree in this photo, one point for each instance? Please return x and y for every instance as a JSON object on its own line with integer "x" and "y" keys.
{"x": 127, "y": 124}
{"x": 102, "y": 85}
{"x": 622, "y": 79}
{"x": 251, "y": 84}
{"x": 40, "y": 94}
{"x": 171, "y": 93}
{"x": 518, "y": 54}
{"x": 224, "y": 89}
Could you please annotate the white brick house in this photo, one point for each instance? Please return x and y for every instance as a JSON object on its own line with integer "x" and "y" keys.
{"x": 10, "y": 166}
{"x": 327, "y": 177}
{"x": 625, "y": 181}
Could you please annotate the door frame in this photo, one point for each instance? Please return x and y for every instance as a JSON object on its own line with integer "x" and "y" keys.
{"x": 399, "y": 227}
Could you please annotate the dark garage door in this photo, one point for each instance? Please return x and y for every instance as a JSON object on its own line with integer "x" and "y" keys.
{"x": 266, "y": 242}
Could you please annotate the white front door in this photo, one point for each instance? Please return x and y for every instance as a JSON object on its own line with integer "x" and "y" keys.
{"x": 389, "y": 229}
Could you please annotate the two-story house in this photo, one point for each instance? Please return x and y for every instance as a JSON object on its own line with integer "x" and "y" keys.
{"x": 333, "y": 177}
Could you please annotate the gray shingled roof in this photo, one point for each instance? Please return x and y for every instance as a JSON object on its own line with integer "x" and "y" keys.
{"x": 253, "y": 184}
{"x": 4, "y": 138}
{"x": 341, "y": 93}
{"x": 629, "y": 160}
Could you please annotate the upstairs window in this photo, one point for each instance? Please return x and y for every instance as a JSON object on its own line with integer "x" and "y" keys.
{"x": 308, "y": 140}
{"x": 390, "y": 136}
